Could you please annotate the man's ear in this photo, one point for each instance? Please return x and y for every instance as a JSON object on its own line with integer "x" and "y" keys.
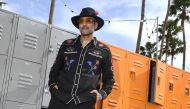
{"x": 95, "y": 25}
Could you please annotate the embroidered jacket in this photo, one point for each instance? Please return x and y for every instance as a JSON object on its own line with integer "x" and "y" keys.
{"x": 78, "y": 70}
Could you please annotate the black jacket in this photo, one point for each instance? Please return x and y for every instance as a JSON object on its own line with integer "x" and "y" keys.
{"x": 77, "y": 71}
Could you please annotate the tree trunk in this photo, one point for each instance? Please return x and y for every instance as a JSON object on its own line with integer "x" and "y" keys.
{"x": 172, "y": 59}
{"x": 184, "y": 40}
{"x": 167, "y": 46}
{"x": 184, "y": 45}
{"x": 140, "y": 27}
{"x": 164, "y": 29}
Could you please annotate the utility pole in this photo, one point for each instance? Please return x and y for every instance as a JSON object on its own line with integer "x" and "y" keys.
{"x": 51, "y": 12}
{"x": 140, "y": 27}
{"x": 2, "y": 3}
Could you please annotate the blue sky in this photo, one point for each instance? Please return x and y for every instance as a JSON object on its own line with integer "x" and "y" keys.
{"x": 121, "y": 34}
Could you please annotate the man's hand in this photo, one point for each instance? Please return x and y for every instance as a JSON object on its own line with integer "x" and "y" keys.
{"x": 55, "y": 86}
{"x": 98, "y": 95}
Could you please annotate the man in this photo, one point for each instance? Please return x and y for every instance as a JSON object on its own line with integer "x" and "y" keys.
{"x": 74, "y": 79}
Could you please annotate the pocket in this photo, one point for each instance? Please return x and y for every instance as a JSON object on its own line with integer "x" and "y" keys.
{"x": 53, "y": 90}
{"x": 93, "y": 95}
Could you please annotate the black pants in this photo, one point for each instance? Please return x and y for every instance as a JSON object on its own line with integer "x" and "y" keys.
{"x": 55, "y": 103}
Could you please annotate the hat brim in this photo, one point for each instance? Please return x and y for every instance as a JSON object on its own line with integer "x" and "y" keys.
{"x": 99, "y": 20}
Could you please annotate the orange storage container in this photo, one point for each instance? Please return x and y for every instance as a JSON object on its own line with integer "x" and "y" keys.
{"x": 136, "y": 77}
{"x": 186, "y": 94}
{"x": 113, "y": 102}
{"x": 119, "y": 63}
{"x": 98, "y": 105}
{"x": 160, "y": 82}
{"x": 173, "y": 88}
{"x": 157, "y": 78}
{"x": 133, "y": 104}
{"x": 154, "y": 106}
{"x": 115, "y": 99}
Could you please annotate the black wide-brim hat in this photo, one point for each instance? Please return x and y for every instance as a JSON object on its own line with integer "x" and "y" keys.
{"x": 88, "y": 12}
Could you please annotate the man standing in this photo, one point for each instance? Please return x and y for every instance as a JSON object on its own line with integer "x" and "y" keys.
{"x": 80, "y": 65}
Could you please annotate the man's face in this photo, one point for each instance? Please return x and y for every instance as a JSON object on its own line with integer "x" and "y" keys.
{"x": 87, "y": 25}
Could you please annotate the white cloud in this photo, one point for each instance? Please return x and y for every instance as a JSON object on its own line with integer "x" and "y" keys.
{"x": 62, "y": 17}
{"x": 39, "y": 18}
{"x": 12, "y": 7}
{"x": 105, "y": 5}
{"x": 128, "y": 29}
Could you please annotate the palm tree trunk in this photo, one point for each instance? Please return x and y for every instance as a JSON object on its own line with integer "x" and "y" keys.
{"x": 184, "y": 45}
{"x": 184, "y": 40}
{"x": 172, "y": 59}
{"x": 140, "y": 27}
{"x": 167, "y": 46}
{"x": 164, "y": 28}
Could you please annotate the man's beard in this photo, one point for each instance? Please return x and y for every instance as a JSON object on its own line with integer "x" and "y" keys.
{"x": 86, "y": 32}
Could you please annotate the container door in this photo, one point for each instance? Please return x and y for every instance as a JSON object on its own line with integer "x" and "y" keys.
{"x": 24, "y": 81}
{"x": 57, "y": 37}
{"x": 157, "y": 82}
{"x": 119, "y": 64}
{"x": 3, "y": 63}
{"x": 6, "y": 22}
{"x": 30, "y": 40}
{"x": 173, "y": 88}
{"x": 185, "y": 93}
{"x": 17, "y": 105}
{"x": 137, "y": 77}
{"x": 113, "y": 102}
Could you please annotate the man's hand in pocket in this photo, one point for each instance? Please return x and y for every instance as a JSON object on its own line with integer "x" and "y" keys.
{"x": 98, "y": 95}
{"x": 56, "y": 87}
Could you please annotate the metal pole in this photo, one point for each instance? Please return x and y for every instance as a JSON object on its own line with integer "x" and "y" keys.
{"x": 51, "y": 12}
{"x": 157, "y": 39}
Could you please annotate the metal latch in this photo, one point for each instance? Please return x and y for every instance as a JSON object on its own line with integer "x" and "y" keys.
{"x": 51, "y": 48}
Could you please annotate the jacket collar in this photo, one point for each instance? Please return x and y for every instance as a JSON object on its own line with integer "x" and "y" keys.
{"x": 94, "y": 40}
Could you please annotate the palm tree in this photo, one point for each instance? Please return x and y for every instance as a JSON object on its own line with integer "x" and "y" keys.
{"x": 178, "y": 8}
{"x": 149, "y": 50}
{"x": 164, "y": 28}
{"x": 171, "y": 31}
{"x": 142, "y": 51}
{"x": 175, "y": 47}
{"x": 140, "y": 27}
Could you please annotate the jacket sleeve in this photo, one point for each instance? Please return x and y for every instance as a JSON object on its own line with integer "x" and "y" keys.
{"x": 107, "y": 74}
{"x": 58, "y": 64}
